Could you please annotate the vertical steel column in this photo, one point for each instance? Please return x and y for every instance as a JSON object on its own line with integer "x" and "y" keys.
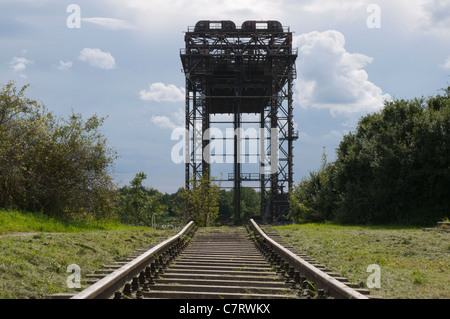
{"x": 206, "y": 157}
{"x": 195, "y": 110}
{"x": 261, "y": 167}
{"x": 188, "y": 157}
{"x": 237, "y": 141}
{"x": 290, "y": 136}
{"x": 273, "y": 147}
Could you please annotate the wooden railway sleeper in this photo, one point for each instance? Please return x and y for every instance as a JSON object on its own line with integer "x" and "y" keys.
{"x": 293, "y": 269}
{"x": 308, "y": 288}
{"x": 146, "y": 278}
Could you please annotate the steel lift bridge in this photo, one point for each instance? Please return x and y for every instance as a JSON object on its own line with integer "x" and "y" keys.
{"x": 239, "y": 79}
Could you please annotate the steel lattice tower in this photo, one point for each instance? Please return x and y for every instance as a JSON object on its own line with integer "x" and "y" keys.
{"x": 237, "y": 71}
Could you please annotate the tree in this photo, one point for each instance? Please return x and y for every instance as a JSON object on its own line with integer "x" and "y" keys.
{"x": 225, "y": 206}
{"x": 201, "y": 202}
{"x": 250, "y": 203}
{"x": 61, "y": 167}
{"x": 395, "y": 168}
{"x": 140, "y": 205}
{"x": 314, "y": 198}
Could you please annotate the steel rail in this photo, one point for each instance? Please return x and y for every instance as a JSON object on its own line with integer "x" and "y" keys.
{"x": 105, "y": 287}
{"x": 336, "y": 288}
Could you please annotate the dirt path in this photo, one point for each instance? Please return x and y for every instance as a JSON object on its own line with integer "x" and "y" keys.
{"x": 17, "y": 234}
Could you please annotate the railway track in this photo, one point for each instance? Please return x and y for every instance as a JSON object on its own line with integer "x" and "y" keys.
{"x": 219, "y": 263}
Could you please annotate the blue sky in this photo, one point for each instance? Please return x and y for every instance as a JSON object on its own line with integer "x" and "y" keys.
{"x": 123, "y": 63}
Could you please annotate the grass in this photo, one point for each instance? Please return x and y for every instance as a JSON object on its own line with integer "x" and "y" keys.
{"x": 413, "y": 263}
{"x": 35, "y": 266}
{"x": 12, "y": 221}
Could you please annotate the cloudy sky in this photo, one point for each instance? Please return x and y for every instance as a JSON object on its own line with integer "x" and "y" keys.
{"x": 121, "y": 60}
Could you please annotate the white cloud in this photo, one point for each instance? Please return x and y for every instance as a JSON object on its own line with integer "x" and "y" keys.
{"x": 156, "y": 15}
{"x": 19, "y": 64}
{"x": 65, "y": 66}
{"x": 177, "y": 120}
{"x": 446, "y": 65}
{"x": 97, "y": 58}
{"x": 405, "y": 15}
{"x": 161, "y": 92}
{"x": 437, "y": 13}
{"x": 349, "y": 7}
{"x": 331, "y": 78}
{"x": 163, "y": 122}
{"x": 419, "y": 17}
{"x": 109, "y": 23}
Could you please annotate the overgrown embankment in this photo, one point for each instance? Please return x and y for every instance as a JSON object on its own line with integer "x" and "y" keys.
{"x": 35, "y": 265}
{"x": 412, "y": 263}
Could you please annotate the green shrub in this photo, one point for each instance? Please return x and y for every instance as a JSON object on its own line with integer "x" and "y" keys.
{"x": 394, "y": 169}
{"x": 57, "y": 166}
